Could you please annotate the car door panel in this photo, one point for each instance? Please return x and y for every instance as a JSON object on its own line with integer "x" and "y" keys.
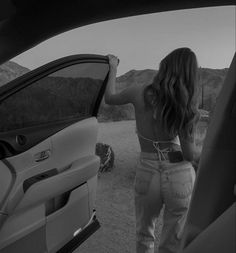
{"x": 32, "y": 136}
{"x": 75, "y": 166}
{"x": 20, "y": 225}
{"x": 23, "y": 167}
{"x": 60, "y": 226}
{"x": 6, "y": 182}
{"x": 50, "y": 172}
{"x": 48, "y": 188}
{"x": 217, "y": 237}
{"x": 214, "y": 188}
{"x": 76, "y": 140}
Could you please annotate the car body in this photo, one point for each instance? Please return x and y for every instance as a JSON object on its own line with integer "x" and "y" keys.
{"x": 48, "y": 166}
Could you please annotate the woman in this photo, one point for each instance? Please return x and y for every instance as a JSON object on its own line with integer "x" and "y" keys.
{"x": 166, "y": 114}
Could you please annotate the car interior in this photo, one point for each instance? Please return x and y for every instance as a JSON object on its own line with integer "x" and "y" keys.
{"x": 48, "y": 166}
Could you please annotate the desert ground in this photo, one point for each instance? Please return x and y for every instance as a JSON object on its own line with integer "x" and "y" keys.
{"x": 115, "y": 196}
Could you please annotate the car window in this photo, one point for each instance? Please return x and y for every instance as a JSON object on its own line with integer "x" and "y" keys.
{"x": 69, "y": 93}
{"x": 209, "y": 32}
{"x": 140, "y": 42}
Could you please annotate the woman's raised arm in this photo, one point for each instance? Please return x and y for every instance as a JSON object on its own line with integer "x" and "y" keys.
{"x": 111, "y": 97}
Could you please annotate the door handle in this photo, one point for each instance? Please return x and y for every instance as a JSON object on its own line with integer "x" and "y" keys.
{"x": 43, "y": 155}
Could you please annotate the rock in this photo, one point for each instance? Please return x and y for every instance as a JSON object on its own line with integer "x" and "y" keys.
{"x": 106, "y": 154}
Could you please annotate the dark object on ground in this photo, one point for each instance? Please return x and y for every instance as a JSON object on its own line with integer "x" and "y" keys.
{"x": 106, "y": 154}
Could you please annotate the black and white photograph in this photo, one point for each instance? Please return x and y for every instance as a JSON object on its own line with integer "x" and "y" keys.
{"x": 118, "y": 126}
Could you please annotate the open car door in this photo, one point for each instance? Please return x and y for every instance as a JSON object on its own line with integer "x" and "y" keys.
{"x": 48, "y": 166}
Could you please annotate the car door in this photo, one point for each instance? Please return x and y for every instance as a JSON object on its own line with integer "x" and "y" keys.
{"x": 210, "y": 226}
{"x": 48, "y": 166}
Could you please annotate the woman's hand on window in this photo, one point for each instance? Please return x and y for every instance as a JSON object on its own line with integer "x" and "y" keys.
{"x": 113, "y": 61}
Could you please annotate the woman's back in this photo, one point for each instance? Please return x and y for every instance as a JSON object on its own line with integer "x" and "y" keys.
{"x": 148, "y": 128}
{"x": 165, "y": 108}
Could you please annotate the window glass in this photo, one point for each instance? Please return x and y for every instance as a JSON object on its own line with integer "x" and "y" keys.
{"x": 69, "y": 93}
{"x": 141, "y": 42}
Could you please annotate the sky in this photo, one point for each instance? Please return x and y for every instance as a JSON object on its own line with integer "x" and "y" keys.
{"x": 142, "y": 41}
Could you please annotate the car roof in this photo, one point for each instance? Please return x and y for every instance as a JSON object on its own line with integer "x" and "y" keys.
{"x": 26, "y": 23}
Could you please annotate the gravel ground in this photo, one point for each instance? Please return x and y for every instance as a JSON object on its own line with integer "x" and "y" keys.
{"x": 115, "y": 198}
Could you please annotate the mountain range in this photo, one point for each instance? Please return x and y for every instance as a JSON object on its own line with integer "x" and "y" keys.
{"x": 211, "y": 82}
{"x": 11, "y": 70}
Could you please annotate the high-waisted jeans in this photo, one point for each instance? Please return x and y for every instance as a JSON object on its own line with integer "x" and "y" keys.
{"x": 159, "y": 183}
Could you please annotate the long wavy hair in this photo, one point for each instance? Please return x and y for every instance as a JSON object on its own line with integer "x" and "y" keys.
{"x": 173, "y": 92}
